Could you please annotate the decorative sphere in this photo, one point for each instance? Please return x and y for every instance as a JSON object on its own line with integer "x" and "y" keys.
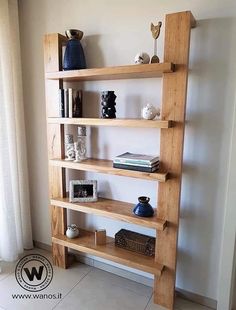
{"x": 150, "y": 112}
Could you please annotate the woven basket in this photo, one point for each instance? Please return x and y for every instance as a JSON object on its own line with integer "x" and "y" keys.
{"x": 135, "y": 242}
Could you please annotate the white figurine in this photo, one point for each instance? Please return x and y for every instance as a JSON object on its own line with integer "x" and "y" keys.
{"x": 141, "y": 58}
{"x": 150, "y": 112}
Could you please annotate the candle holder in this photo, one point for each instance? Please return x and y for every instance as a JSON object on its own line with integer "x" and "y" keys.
{"x": 80, "y": 145}
{"x": 69, "y": 147}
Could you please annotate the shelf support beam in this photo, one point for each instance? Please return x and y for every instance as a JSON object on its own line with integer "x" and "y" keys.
{"x": 52, "y": 62}
{"x": 176, "y": 50}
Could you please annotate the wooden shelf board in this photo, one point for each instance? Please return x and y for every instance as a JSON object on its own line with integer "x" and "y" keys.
{"x": 86, "y": 243}
{"x": 114, "y": 209}
{"x": 116, "y": 122}
{"x": 105, "y": 166}
{"x": 118, "y": 72}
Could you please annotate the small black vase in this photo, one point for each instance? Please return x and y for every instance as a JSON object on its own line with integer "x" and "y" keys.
{"x": 143, "y": 208}
{"x": 74, "y": 55}
{"x": 108, "y": 104}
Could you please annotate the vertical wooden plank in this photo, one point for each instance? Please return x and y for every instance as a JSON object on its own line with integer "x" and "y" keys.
{"x": 176, "y": 50}
{"x": 52, "y": 62}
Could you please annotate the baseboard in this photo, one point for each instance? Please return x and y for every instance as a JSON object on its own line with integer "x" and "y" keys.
{"x": 202, "y": 300}
{"x": 43, "y": 246}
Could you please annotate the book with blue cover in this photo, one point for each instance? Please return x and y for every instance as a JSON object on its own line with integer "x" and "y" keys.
{"x": 137, "y": 168}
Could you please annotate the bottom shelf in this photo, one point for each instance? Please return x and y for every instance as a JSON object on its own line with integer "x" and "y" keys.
{"x": 85, "y": 243}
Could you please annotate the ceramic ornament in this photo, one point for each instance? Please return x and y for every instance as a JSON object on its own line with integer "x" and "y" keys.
{"x": 72, "y": 231}
{"x": 142, "y": 58}
{"x": 150, "y": 112}
{"x": 143, "y": 208}
{"x": 108, "y": 104}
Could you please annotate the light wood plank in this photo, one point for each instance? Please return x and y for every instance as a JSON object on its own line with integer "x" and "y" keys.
{"x": 176, "y": 49}
{"x": 117, "y": 122}
{"x": 113, "y": 209}
{"x": 86, "y": 243}
{"x": 55, "y": 136}
{"x": 113, "y": 73}
{"x": 105, "y": 166}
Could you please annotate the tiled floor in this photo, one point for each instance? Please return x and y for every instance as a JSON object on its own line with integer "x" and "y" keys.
{"x": 84, "y": 288}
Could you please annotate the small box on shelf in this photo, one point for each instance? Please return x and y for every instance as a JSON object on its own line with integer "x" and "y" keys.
{"x": 100, "y": 237}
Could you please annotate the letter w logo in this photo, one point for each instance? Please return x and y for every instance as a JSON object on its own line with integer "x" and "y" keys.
{"x": 34, "y": 272}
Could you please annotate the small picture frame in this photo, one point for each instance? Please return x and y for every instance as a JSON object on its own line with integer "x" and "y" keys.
{"x": 83, "y": 191}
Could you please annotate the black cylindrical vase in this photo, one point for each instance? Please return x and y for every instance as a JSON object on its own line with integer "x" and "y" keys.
{"x": 108, "y": 104}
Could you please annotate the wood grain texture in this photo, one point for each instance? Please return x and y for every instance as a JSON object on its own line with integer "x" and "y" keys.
{"x": 118, "y": 210}
{"x": 105, "y": 166}
{"x": 116, "y": 122}
{"x": 113, "y": 73}
{"x": 176, "y": 49}
{"x": 86, "y": 243}
{"x": 55, "y": 136}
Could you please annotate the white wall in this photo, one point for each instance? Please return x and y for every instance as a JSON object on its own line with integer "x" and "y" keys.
{"x": 227, "y": 274}
{"x": 114, "y": 32}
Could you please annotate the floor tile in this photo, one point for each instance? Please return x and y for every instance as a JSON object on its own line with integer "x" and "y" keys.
{"x": 113, "y": 279}
{"x": 180, "y": 304}
{"x": 183, "y": 304}
{"x": 63, "y": 281}
{"x": 6, "y": 269}
{"x": 152, "y": 306}
{"x": 101, "y": 292}
{"x": 82, "y": 287}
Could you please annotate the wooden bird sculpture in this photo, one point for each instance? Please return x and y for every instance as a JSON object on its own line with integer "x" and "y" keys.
{"x": 155, "y": 34}
{"x": 156, "y": 30}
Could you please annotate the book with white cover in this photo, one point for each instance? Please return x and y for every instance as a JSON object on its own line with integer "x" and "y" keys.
{"x": 66, "y": 102}
{"x": 70, "y": 101}
{"x": 132, "y": 158}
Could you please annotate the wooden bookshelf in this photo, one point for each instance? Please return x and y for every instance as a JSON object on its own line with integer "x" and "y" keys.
{"x": 117, "y": 122}
{"x": 113, "y": 73}
{"x": 105, "y": 166}
{"x": 117, "y": 210}
{"x": 174, "y": 72}
{"x": 85, "y": 244}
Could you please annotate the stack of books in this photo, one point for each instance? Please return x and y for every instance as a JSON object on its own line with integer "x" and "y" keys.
{"x": 138, "y": 162}
{"x": 70, "y": 102}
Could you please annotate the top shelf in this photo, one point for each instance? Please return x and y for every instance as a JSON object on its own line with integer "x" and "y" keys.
{"x": 113, "y": 73}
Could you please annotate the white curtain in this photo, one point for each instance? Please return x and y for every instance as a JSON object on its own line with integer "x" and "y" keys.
{"x": 15, "y": 221}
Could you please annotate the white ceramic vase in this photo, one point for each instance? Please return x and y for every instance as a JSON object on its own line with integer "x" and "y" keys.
{"x": 72, "y": 231}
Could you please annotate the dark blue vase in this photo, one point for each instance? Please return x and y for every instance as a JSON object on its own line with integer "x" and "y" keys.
{"x": 143, "y": 208}
{"x": 74, "y": 54}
